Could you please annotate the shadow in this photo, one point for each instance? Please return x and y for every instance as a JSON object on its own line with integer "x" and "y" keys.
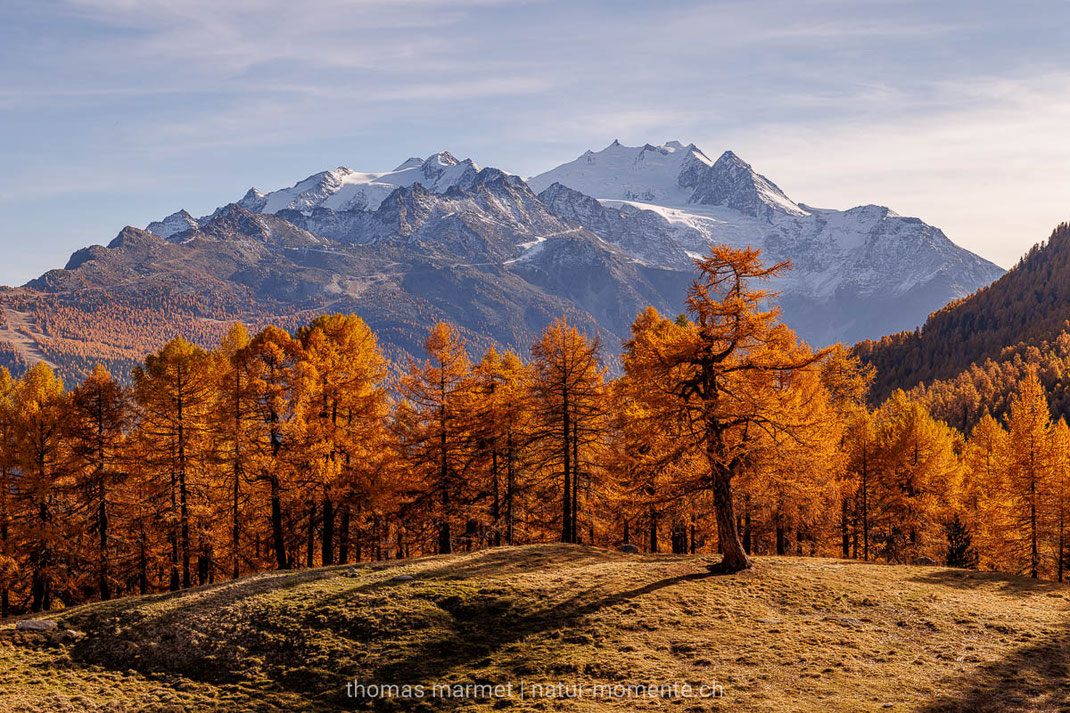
{"x": 484, "y": 628}
{"x": 189, "y": 632}
{"x": 1033, "y": 678}
{"x": 1008, "y": 584}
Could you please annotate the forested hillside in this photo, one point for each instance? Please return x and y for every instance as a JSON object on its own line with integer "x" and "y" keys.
{"x": 1028, "y": 305}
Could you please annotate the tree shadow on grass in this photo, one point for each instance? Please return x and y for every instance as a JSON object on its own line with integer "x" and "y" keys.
{"x": 1034, "y": 677}
{"x": 195, "y": 632}
{"x": 498, "y": 561}
{"x": 1009, "y": 585}
{"x": 485, "y": 627}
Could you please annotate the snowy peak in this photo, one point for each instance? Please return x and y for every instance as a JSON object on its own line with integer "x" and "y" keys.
{"x": 173, "y": 224}
{"x": 412, "y": 162}
{"x": 346, "y": 189}
{"x": 647, "y": 173}
{"x": 732, "y": 183}
{"x": 671, "y": 174}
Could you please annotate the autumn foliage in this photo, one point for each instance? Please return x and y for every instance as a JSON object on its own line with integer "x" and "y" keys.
{"x": 722, "y": 432}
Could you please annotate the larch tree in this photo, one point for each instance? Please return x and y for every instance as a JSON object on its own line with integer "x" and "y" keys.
{"x": 569, "y": 385}
{"x": 503, "y": 430}
{"x": 722, "y": 372}
{"x": 233, "y": 417}
{"x": 918, "y": 471}
{"x": 1060, "y": 501}
{"x": 346, "y": 422}
{"x": 8, "y": 455}
{"x": 989, "y": 515}
{"x": 859, "y": 445}
{"x": 98, "y": 418}
{"x": 847, "y": 381}
{"x": 39, "y": 404}
{"x": 280, "y": 386}
{"x": 174, "y": 397}
{"x": 433, "y": 425}
{"x": 1029, "y": 469}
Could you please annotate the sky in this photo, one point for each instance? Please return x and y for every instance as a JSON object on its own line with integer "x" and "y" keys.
{"x": 119, "y": 112}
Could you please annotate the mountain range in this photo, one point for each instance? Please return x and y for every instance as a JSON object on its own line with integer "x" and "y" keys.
{"x": 596, "y": 239}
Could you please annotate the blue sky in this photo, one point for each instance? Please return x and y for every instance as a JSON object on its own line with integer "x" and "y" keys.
{"x": 117, "y": 112}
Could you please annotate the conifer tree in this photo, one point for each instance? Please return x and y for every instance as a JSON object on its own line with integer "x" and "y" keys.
{"x": 569, "y": 385}
{"x": 433, "y": 423}
{"x": 174, "y": 396}
{"x": 280, "y": 387}
{"x": 722, "y": 373}
{"x": 346, "y": 422}
{"x": 1029, "y": 470}
{"x": 98, "y": 417}
{"x": 9, "y": 572}
{"x": 39, "y": 406}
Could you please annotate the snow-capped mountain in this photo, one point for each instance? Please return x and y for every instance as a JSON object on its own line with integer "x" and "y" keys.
{"x": 857, "y": 274}
{"x": 346, "y": 189}
{"x": 173, "y": 224}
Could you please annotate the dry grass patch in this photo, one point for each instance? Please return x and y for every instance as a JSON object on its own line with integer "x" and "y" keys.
{"x": 793, "y": 634}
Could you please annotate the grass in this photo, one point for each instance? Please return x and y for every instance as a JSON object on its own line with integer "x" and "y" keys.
{"x": 793, "y": 634}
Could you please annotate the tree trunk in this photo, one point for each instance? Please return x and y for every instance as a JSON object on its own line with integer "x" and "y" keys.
{"x": 310, "y": 540}
{"x": 445, "y": 537}
{"x": 176, "y": 578}
{"x": 102, "y": 521}
{"x": 566, "y": 500}
{"x": 327, "y": 534}
{"x": 496, "y": 505}
{"x": 734, "y": 558}
{"x": 746, "y": 527}
{"x": 844, "y": 530}
{"x": 575, "y": 482}
{"x": 183, "y": 496}
{"x": 1034, "y": 550}
{"x": 510, "y": 485}
{"x": 865, "y": 503}
{"x": 281, "y": 561}
{"x": 5, "y": 594}
{"x": 343, "y": 537}
{"x": 235, "y": 524}
{"x": 653, "y": 530}
{"x": 143, "y": 563}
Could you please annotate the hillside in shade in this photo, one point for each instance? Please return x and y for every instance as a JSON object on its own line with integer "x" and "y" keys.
{"x": 1028, "y": 306}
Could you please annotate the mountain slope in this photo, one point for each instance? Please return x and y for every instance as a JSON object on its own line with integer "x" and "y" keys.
{"x": 793, "y": 634}
{"x": 1028, "y": 305}
{"x": 443, "y": 239}
{"x": 488, "y": 256}
{"x": 857, "y": 274}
